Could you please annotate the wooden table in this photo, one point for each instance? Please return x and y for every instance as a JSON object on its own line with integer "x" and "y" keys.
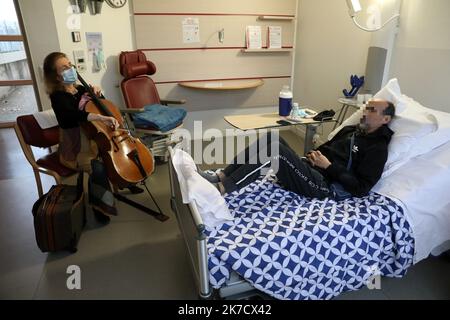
{"x": 223, "y": 84}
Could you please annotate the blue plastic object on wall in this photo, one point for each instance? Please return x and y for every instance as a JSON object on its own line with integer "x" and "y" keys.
{"x": 356, "y": 83}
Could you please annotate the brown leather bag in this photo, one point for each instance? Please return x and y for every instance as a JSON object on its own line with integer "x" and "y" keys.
{"x": 59, "y": 217}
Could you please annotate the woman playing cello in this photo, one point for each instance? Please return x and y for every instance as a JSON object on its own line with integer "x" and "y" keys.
{"x": 75, "y": 151}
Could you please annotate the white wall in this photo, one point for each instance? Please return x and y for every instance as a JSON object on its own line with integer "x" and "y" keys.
{"x": 47, "y": 30}
{"x": 421, "y": 58}
{"x": 116, "y": 27}
{"x": 40, "y": 29}
{"x": 329, "y": 49}
{"x": 387, "y": 36}
{"x": 178, "y": 62}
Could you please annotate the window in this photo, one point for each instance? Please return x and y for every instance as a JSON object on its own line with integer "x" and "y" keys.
{"x": 17, "y": 91}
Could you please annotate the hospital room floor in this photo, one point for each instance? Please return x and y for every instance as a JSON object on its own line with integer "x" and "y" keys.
{"x": 134, "y": 256}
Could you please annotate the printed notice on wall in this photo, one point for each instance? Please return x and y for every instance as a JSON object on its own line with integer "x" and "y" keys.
{"x": 94, "y": 43}
{"x": 191, "y": 30}
{"x": 274, "y": 41}
{"x": 253, "y": 37}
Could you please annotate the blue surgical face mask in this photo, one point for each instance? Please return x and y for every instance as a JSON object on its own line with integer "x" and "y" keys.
{"x": 69, "y": 76}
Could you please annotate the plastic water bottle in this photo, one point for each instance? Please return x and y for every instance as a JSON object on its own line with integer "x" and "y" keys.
{"x": 295, "y": 110}
{"x": 285, "y": 101}
{"x": 295, "y": 113}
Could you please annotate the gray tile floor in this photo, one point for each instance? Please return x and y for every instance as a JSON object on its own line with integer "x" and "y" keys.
{"x": 136, "y": 256}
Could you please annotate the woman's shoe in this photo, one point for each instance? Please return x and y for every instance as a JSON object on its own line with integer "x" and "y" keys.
{"x": 135, "y": 190}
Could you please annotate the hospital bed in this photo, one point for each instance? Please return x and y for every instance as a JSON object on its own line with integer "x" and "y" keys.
{"x": 291, "y": 247}
{"x": 194, "y": 234}
{"x": 386, "y": 239}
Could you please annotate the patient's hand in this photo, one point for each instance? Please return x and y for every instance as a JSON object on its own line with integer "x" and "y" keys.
{"x": 317, "y": 159}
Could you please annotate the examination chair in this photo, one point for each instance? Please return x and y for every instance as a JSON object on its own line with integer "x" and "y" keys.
{"x": 139, "y": 91}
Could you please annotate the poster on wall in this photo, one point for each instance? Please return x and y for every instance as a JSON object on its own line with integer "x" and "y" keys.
{"x": 94, "y": 42}
{"x": 253, "y": 37}
{"x": 191, "y": 30}
{"x": 274, "y": 37}
{"x": 95, "y": 50}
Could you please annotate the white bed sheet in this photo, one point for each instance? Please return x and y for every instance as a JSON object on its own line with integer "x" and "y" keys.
{"x": 422, "y": 187}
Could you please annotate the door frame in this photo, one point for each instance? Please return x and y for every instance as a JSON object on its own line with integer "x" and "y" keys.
{"x": 22, "y": 38}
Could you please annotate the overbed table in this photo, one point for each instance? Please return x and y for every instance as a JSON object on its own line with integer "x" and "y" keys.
{"x": 270, "y": 121}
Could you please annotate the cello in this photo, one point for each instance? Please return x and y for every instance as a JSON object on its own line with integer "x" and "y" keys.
{"x": 127, "y": 160}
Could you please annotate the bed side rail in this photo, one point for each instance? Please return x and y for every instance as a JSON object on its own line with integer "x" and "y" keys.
{"x": 192, "y": 228}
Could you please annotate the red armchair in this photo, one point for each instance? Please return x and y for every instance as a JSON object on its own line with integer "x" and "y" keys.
{"x": 30, "y": 134}
{"x": 139, "y": 90}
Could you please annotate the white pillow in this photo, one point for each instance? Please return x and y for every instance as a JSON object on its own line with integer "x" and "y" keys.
{"x": 391, "y": 92}
{"x": 194, "y": 188}
{"x": 436, "y": 138}
{"x": 415, "y": 123}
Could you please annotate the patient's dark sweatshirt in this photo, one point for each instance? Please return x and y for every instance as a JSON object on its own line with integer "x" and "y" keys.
{"x": 369, "y": 155}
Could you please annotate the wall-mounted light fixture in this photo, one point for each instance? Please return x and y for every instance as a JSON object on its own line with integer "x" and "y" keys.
{"x": 82, "y": 5}
{"x": 354, "y": 7}
{"x": 96, "y": 6}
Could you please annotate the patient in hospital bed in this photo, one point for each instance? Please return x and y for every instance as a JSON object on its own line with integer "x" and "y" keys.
{"x": 348, "y": 165}
{"x": 292, "y": 246}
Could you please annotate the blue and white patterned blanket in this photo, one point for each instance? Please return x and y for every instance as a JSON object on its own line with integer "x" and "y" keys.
{"x": 292, "y": 247}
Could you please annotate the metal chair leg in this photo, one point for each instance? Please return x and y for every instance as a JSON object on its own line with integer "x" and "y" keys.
{"x": 338, "y": 119}
{"x": 345, "y": 113}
